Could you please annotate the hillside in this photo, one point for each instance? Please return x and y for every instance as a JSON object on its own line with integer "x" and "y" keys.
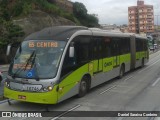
{"x": 19, "y": 18}
{"x": 38, "y": 20}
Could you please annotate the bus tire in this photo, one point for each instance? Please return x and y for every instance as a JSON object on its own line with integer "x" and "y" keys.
{"x": 121, "y": 71}
{"x": 142, "y": 63}
{"x": 83, "y": 87}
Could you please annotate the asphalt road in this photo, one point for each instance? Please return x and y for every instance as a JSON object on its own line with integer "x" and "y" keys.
{"x": 138, "y": 90}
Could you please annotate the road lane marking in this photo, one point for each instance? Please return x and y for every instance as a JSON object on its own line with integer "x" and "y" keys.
{"x": 157, "y": 118}
{"x": 128, "y": 78}
{"x": 153, "y": 55}
{"x": 156, "y": 82}
{"x": 149, "y": 66}
{"x": 120, "y": 118}
{"x": 107, "y": 90}
{"x": 61, "y": 115}
{"x": 151, "y": 118}
{"x": 152, "y": 59}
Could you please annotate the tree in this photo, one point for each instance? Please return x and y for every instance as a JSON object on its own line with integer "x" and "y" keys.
{"x": 9, "y": 33}
{"x": 92, "y": 21}
{"x": 79, "y": 10}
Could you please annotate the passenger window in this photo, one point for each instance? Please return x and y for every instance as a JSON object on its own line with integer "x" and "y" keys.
{"x": 115, "y": 46}
{"x": 83, "y": 54}
{"x": 69, "y": 64}
{"x": 83, "y": 49}
{"x": 107, "y": 47}
{"x": 97, "y": 47}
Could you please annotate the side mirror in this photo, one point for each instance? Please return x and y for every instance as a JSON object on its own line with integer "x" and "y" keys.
{"x": 8, "y": 50}
{"x": 71, "y": 51}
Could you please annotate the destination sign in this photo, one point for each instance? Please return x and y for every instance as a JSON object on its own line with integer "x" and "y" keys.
{"x": 42, "y": 44}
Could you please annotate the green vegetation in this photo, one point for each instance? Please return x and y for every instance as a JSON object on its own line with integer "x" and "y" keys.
{"x": 80, "y": 12}
{"x": 15, "y": 9}
{"x": 9, "y": 33}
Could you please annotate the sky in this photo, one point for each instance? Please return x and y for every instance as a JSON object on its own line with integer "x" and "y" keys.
{"x": 116, "y": 11}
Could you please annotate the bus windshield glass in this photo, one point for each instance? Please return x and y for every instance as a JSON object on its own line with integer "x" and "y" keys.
{"x": 37, "y": 59}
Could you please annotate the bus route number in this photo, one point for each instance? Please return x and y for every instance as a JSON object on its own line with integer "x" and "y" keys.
{"x": 42, "y": 44}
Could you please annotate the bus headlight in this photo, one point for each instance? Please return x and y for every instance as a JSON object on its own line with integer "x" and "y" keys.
{"x": 50, "y": 88}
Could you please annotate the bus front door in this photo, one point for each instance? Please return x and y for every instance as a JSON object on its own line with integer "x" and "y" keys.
{"x": 116, "y": 50}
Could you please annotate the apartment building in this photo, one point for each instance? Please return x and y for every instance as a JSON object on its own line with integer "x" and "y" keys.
{"x": 141, "y": 18}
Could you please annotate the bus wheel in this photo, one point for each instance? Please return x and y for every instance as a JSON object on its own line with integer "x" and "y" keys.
{"x": 83, "y": 87}
{"x": 121, "y": 72}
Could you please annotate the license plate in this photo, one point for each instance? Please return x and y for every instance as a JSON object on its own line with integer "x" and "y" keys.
{"x": 22, "y": 97}
{"x": 34, "y": 88}
{"x": 25, "y": 87}
{"x": 28, "y": 88}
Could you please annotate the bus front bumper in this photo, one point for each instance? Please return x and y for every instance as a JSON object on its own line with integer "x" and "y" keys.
{"x": 43, "y": 98}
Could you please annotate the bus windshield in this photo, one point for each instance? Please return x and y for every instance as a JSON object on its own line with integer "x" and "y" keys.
{"x": 37, "y": 59}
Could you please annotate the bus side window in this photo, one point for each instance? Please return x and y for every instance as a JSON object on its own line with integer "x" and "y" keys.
{"x": 137, "y": 49}
{"x": 83, "y": 53}
{"x": 138, "y": 44}
{"x": 107, "y": 47}
{"x": 98, "y": 47}
{"x": 145, "y": 45}
{"x": 83, "y": 49}
{"x": 122, "y": 47}
{"x": 114, "y": 46}
{"x": 69, "y": 64}
{"x": 128, "y": 45}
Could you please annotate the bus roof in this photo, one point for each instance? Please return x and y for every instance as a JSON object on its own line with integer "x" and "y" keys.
{"x": 55, "y": 33}
{"x": 65, "y": 32}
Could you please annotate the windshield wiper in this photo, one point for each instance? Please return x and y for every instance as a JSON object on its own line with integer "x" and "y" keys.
{"x": 29, "y": 59}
